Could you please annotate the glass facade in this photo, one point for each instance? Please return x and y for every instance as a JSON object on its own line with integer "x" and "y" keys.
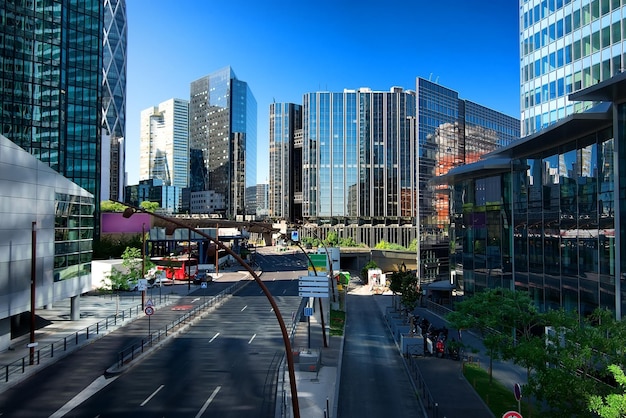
{"x": 566, "y": 46}
{"x": 543, "y": 218}
{"x": 359, "y": 156}
{"x": 452, "y": 132}
{"x": 223, "y": 115}
{"x": 73, "y": 236}
{"x": 285, "y": 122}
{"x": 114, "y": 90}
{"x": 164, "y": 143}
{"x": 51, "y": 79}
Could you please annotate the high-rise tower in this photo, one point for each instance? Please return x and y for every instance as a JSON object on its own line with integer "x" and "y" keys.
{"x": 285, "y": 167}
{"x": 164, "y": 143}
{"x": 566, "y": 46}
{"x": 222, "y": 129}
{"x": 51, "y": 78}
{"x": 114, "y": 94}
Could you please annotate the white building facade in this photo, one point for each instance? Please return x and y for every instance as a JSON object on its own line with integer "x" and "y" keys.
{"x": 164, "y": 143}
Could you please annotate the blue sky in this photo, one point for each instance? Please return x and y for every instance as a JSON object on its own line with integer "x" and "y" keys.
{"x": 284, "y": 49}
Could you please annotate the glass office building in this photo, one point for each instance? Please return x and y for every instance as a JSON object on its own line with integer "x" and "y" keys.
{"x": 164, "y": 143}
{"x": 51, "y": 83}
{"x": 566, "y": 46}
{"x": 285, "y": 168}
{"x": 223, "y": 117}
{"x": 359, "y": 157}
{"x": 544, "y": 213}
{"x": 452, "y": 132}
{"x": 114, "y": 92}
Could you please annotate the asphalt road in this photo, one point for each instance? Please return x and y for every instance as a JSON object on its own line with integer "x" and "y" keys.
{"x": 374, "y": 382}
{"x": 225, "y": 364}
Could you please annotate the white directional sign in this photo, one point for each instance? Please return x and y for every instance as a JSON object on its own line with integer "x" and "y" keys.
{"x": 313, "y": 286}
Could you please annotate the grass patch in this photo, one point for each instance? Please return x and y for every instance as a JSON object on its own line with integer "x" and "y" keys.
{"x": 337, "y": 322}
{"x": 498, "y": 398}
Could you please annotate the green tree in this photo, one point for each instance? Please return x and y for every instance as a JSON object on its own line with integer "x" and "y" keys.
{"x": 405, "y": 284}
{"x": 149, "y": 206}
{"x": 109, "y": 206}
{"x": 483, "y": 313}
{"x": 612, "y": 405}
{"x": 131, "y": 270}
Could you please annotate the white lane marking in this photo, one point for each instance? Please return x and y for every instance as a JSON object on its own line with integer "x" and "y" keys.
{"x": 95, "y": 386}
{"x": 195, "y": 300}
{"x": 151, "y": 396}
{"x": 214, "y": 337}
{"x": 208, "y": 401}
{"x": 251, "y": 338}
{"x": 244, "y": 308}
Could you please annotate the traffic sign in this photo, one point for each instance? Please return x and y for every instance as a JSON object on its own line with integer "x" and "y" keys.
{"x": 203, "y": 285}
{"x": 512, "y": 414}
{"x": 518, "y": 391}
{"x": 149, "y": 310}
{"x": 295, "y": 237}
{"x": 149, "y": 303}
{"x": 308, "y": 311}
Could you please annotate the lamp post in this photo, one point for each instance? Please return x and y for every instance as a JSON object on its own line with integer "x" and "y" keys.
{"x": 33, "y": 282}
{"x": 130, "y": 210}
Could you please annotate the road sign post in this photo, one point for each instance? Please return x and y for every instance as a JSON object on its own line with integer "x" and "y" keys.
{"x": 517, "y": 390}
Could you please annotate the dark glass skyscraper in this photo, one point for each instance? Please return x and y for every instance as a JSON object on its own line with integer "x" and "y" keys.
{"x": 51, "y": 81}
{"x": 114, "y": 92}
{"x": 51, "y": 78}
{"x": 223, "y": 116}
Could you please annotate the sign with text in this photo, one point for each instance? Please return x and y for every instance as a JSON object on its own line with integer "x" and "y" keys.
{"x": 313, "y": 287}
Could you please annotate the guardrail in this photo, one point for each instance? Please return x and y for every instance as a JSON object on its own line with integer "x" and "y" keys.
{"x": 70, "y": 342}
{"x": 128, "y": 354}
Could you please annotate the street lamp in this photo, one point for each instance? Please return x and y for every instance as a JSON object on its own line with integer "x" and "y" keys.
{"x": 130, "y": 210}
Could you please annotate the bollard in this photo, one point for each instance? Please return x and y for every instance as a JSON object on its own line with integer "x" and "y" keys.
{"x": 38, "y": 355}
{"x": 52, "y": 350}
{"x": 23, "y": 364}
{"x": 6, "y": 379}
{"x": 97, "y": 328}
{"x": 76, "y": 337}
{"x": 64, "y": 343}
{"x": 87, "y": 333}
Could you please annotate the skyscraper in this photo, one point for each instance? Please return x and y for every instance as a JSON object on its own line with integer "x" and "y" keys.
{"x": 358, "y": 158}
{"x": 566, "y": 46}
{"x": 452, "y": 132}
{"x": 114, "y": 94}
{"x": 223, "y": 117}
{"x": 51, "y": 78}
{"x": 285, "y": 167}
{"x": 164, "y": 143}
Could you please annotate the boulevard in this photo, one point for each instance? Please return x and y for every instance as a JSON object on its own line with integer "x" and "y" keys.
{"x": 224, "y": 365}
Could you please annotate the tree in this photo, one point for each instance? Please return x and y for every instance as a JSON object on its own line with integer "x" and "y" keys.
{"x": 483, "y": 312}
{"x": 109, "y": 206}
{"x": 131, "y": 270}
{"x": 405, "y": 283}
{"x": 149, "y": 206}
{"x": 612, "y": 405}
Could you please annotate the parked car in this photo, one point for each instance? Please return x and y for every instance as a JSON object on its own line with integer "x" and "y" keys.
{"x": 202, "y": 277}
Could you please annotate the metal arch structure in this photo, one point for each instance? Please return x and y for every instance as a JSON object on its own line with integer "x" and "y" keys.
{"x": 130, "y": 210}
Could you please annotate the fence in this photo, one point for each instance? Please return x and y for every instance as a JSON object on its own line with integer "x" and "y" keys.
{"x": 70, "y": 342}
{"x": 129, "y": 353}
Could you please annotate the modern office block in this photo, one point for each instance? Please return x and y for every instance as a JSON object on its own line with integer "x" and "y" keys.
{"x": 155, "y": 190}
{"x": 543, "y": 214}
{"x": 285, "y": 168}
{"x": 566, "y": 46}
{"x": 223, "y": 116}
{"x": 43, "y": 216}
{"x": 362, "y": 152}
{"x": 114, "y": 61}
{"x": 164, "y": 143}
{"x": 51, "y": 84}
{"x": 452, "y": 132}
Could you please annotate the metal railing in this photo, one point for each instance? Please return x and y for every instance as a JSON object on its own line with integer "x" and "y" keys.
{"x": 128, "y": 354}
{"x": 71, "y": 341}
